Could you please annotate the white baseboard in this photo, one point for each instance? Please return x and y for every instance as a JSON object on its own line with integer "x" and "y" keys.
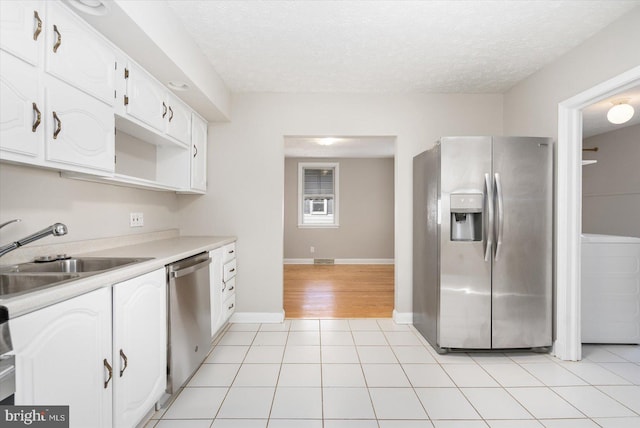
{"x": 402, "y": 317}
{"x": 257, "y": 317}
{"x": 342, "y": 261}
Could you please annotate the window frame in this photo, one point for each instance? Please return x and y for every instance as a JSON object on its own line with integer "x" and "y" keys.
{"x": 336, "y": 174}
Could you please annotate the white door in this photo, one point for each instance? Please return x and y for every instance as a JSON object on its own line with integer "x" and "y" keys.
{"x": 139, "y": 346}
{"x": 22, "y": 29}
{"x": 215, "y": 277}
{"x": 178, "y": 119}
{"x": 145, "y": 98}
{"x": 79, "y": 129}
{"x": 199, "y": 154}
{"x": 79, "y": 56}
{"x": 62, "y": 354}
{"x": 21, "y": 107}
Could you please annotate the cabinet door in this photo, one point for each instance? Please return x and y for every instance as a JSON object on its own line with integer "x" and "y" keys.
{"x": 61, "y": 352}
{"x": 199, "y": 154}
{"x": 79, "y": 129}
{"x": 145, "y": 98}
{"x": 139, "y": 346}
{"x": 21, "y": 108}
{"x": 178, "y": 119}
{"x": 21, "y": 29}
{"x": 77, "y": 55}
{"x": 215, "y": 276}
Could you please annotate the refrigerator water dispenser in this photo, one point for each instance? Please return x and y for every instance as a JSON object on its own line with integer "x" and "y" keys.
{"x": 466, "y": 216}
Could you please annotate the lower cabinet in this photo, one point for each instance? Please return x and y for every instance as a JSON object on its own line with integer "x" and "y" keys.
{"x": 105, "y": 360}
{"x": 223, "y": 286}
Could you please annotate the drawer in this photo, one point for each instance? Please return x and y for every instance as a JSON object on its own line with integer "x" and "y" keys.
{"x": 229, "y": 270}
{"x": 228, "y": 307}
{"x": 228, "y": 288}
{"x": 229, "y": 252}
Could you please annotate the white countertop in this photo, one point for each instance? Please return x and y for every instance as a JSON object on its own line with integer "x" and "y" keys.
{"x": 163, "y": 251}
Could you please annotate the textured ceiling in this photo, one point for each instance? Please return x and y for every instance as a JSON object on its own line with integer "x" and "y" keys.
{"x": 594, "y": 117}
{"x": 388, "y": 46}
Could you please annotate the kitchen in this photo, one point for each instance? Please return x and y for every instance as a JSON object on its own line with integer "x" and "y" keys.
{"x": 254, "y": 138}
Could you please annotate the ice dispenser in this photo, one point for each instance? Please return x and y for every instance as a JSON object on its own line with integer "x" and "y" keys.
{"x": 466, "y": 216}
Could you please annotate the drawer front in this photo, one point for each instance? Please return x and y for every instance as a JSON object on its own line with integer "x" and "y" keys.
{"x": 229, "y": 270}
{"x": 228, "y": 288}
{"x": 229, "y": 307}
{"x": 229, "y": 252}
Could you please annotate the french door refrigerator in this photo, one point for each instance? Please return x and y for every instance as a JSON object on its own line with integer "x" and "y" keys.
{"x": 482, "y": 249}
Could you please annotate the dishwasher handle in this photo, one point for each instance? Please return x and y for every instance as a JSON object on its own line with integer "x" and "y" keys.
{"x": 189, "y": 270}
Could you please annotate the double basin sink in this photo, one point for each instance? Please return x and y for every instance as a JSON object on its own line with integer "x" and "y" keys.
{"x": 26, "y": 277}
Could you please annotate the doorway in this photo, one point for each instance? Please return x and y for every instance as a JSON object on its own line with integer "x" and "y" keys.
{"x": 567, "y": 345}
{"x": 339, "y": 227}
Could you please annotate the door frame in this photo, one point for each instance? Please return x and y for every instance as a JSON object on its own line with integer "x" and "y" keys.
{"x": 568, "y": 343}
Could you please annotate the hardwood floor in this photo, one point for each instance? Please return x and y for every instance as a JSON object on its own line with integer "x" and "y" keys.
{"x": 338, "y": 291}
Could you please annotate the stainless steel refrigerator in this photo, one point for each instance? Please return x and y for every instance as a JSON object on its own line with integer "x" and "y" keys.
{"x": 482, "y": 243}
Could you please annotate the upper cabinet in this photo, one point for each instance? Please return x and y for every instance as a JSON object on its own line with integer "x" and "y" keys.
{"x": 67, "y": 95}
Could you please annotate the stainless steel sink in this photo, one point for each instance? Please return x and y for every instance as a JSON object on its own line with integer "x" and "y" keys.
{"x": 11, "y": 284}
{"x": 24, "y": 277}
{"x": 77, "y": 265}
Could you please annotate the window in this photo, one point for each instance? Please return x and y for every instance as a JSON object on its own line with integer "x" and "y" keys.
{"x": 317, "y": 194}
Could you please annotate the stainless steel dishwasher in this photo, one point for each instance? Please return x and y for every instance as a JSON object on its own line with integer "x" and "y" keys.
{"x": 189, "y": 323}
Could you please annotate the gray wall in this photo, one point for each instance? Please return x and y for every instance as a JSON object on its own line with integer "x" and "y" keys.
{"x": 611, "y": 187}
{"x": 366, "y": 217}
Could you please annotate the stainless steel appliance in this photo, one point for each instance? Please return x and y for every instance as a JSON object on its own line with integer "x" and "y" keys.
{"x": 189, "y": 336}
{"x": 482, "y": 249}
{"x": 7, "y": 361}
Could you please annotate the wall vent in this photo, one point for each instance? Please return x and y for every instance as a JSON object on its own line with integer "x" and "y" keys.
{"x": 323, "y": 261}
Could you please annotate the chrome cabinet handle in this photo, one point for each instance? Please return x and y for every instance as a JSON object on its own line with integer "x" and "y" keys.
{"x": 500, "y": 215}
{"x": 58, "y": 126}
{"x": 489, "y": 203}
{"x": 170, "y": 113}
{"x": 58, "y": 39}
{"x": 108, "y": 367}
{"x": 38, "y": 25}
{"x": 164, "y": 109}
{"x": 38, "y": 117}
{"x": 126, "y": 362}
{"x": 195, "y": 151}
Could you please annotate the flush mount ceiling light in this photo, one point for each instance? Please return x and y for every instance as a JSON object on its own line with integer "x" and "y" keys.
{"x": 91, "y": 7}
{"x": 621, "y": 111}
{"x": 177, "y": 85}
{"x": 327, "y": 141}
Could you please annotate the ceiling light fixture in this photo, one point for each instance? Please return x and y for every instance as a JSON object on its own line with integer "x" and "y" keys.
{"x": 91, "y": 7}
{"x": 621, "y": 111}
{"x": 177, "y": 85}
{"x": 327, "y": 141}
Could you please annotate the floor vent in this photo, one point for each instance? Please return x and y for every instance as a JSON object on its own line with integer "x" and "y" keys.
{"x": 323, "y": 261}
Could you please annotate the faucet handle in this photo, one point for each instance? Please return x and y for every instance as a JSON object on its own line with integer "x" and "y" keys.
{"x": 15, "y": 220}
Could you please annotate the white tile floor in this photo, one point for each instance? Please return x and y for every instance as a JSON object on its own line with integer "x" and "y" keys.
{"x": 376, "y": 374}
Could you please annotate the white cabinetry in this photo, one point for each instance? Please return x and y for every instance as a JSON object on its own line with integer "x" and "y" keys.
{"x": 63, "y": 357}
{"x": 198, "y": 154}
{"x": 223, "y": 285}
{"x": 178, "y": 123}
{"x": 144, "y": 99}
{"x": 21, "y": 29}
{"x": 139, "y": 346}
{"x": 71, "y": 354}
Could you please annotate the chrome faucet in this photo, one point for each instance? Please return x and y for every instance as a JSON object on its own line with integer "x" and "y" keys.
{"x": 56, "y": 229}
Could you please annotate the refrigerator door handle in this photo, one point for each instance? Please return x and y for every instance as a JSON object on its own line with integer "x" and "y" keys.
{"x": 500, "y": 215}
{"x": 489, "y": 204}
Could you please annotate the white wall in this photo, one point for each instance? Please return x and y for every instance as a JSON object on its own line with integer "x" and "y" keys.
{"x": 90, "y": 210}
{"x": 253, "y": 144}
{"x": 611, "y": 188}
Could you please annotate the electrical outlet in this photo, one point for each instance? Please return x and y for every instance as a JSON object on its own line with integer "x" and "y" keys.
{"x": 136, "y": 219}
{"x": 312, "y": 250}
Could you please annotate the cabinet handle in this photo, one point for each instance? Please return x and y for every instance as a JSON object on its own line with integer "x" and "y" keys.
{"x": 164, "y": 109}
{"x": 170, "y": 113}
{"x": 108, "y": 367}
{"x": 232, "y": 288}
{"x": 126, "y": 362}
{"x": 38, "y": 26}
{"x": 231, "y": 251}
{"x": 195, "y": 151}
{"x": 58, "y": 126}
{"x": 58, "y": 39}
{"x": 230, "y": 307}
{"x": 232, "y": 270}
{"x": 38, "y": 117}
